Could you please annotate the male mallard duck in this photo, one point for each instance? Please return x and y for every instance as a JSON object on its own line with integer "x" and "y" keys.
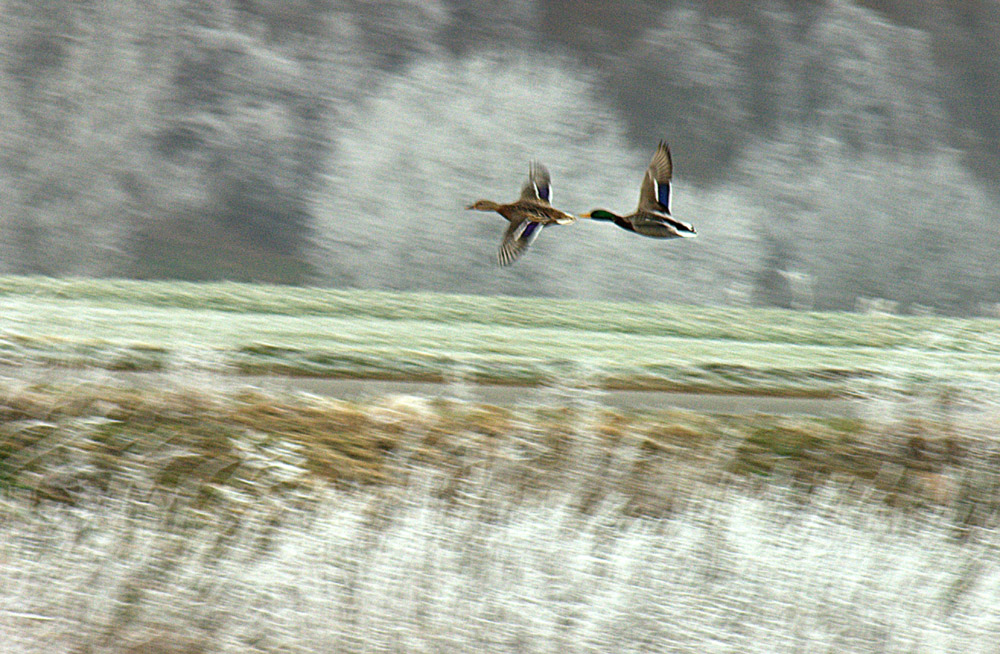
{"x": 652, "y": 216}
{"x": 527, "y": 215}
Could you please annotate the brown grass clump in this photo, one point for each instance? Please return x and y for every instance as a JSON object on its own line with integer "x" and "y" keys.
{"x": 59, "y": 444}
{"x": 341, "y": 442}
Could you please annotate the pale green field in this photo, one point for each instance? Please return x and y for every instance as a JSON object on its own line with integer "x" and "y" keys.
{"x": 252, "y": 328}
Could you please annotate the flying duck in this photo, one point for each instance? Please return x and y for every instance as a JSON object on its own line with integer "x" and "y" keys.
{"x": 527, "y": 215}
{"x": 653, "y": 216}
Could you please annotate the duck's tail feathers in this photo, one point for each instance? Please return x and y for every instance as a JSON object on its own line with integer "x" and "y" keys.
{"x": 684, "y": 230}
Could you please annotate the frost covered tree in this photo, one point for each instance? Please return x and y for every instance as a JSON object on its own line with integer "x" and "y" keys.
{"x": 241, "y": 133}
{"x": 160, "y": 139}
{"x": 857, "y": 184}
{"x": 76, "y": 93}
{"x": 685, "y": 74}
{"x": 856, "y": 77}
{"x": 911, "y": 227}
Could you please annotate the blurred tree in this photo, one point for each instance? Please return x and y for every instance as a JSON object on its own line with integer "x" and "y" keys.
{"x": 395, "y": 32}
{"x": 683, "y": 75}
{"x": 862, "y": 230}
{"x": 599, "y": 29}
{"x": 240, "y": 135}
{"x": 77, "y": 91}
{"x": 866, "y": 82}
{"x": 337, "y": 140}
{"x": 473, "y": 24}
{"x": 168, "y": 137}
{"x": 965, "y": 38}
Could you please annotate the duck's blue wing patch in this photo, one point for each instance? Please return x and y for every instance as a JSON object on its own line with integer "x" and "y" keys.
{"x": 663, "y": 194}
{"x": 529, "y": 229}
{"x": 543, "y": 191}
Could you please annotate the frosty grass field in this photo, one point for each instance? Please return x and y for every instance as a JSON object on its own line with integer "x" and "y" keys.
{"x": 234, "y": 327}
{"x": 203, "y": 515}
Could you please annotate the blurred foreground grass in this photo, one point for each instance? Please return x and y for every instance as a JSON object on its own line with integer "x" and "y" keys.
{"x": 248, "y": 521}
{"x": 57, "y": 442}
{"x": 230, "y": 328}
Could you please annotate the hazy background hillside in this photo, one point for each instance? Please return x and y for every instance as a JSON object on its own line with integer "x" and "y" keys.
{"x": 825, "y": 150}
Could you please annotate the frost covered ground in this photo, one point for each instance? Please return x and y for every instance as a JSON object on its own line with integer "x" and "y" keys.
{"x": 227, "y": 327}
{"x": 411, "y": 571}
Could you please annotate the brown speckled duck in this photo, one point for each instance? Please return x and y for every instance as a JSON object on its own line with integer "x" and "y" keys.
{"x": 527, "y": 215}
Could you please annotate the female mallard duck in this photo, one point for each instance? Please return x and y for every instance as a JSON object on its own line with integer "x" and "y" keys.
{"x": 652, "y": 216}
{"x": 527, "y": 215}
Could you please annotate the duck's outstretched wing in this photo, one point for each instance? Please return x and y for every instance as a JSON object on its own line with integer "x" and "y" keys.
{"x": 539, "y": 184}
{"x": 516, "y": 239}
{"x": 654, "y": 195}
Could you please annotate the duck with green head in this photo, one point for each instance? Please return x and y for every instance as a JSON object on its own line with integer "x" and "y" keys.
{"x": 527, "y": 215}
{"x": 653, "y": 216}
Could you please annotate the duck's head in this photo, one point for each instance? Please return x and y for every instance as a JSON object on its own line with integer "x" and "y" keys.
{"x": 483, "y": 205}
{"x": 599, "y": 214}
